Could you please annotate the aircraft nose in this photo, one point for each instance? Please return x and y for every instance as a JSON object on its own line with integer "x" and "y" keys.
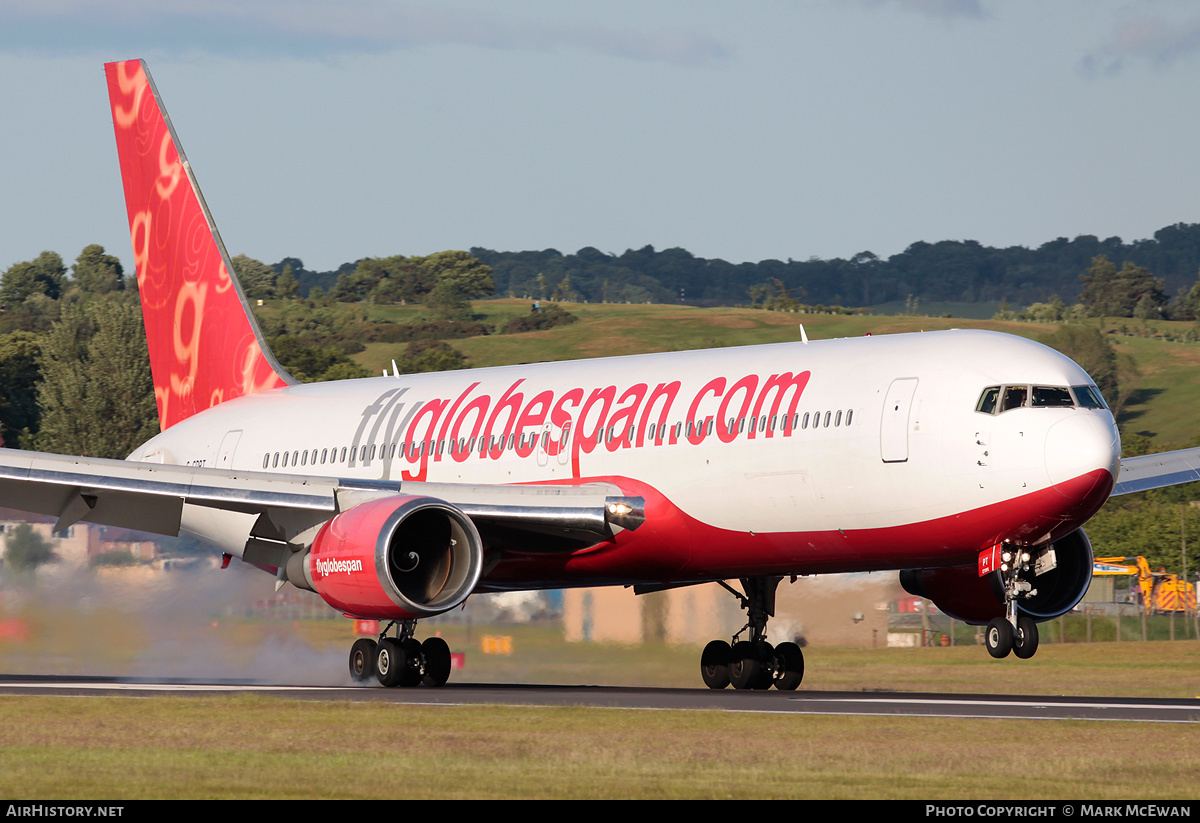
{"x": 1081, "y": 444}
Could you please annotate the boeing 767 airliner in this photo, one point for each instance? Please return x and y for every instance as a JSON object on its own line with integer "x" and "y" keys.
{"x": 967, "y": 460}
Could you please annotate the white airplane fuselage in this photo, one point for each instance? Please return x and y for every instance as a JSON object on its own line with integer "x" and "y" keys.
{"x": 833, "y": 455}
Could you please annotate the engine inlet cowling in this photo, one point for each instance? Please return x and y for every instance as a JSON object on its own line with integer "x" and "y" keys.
{"x": 960, "y": 592}
{"x": 397, "y": 558}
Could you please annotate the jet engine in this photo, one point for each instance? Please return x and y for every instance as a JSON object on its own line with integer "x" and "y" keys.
{"x": 1062, "y": 572}
{"x": 398, "y": 558}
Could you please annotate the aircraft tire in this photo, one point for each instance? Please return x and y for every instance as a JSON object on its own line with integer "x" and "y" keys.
{"x": 389, "y": 662}
{"x": 789, "y": 667}
{"x": 1025, "y": 640}
{"x": 714, "y": 664}
{"x": 362, "y": 660}
{"x": 744, "y": 666}
{"x": 436, "y": 655}
{"x": 999, "y": 637}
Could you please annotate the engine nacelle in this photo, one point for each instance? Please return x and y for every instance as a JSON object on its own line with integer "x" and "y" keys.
{"x": 397, "y": 558}
{"x": 960, "y": 592}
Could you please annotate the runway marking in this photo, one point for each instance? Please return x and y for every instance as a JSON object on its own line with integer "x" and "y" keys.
{"x": 1040, "y": 704}
{"x": 1026, "y": 708}
{"x": 169, "y": 687}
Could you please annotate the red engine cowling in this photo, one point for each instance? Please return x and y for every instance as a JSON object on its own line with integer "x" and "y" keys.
{"x": 397, "y": 558}
{"x": 960, "y": 592}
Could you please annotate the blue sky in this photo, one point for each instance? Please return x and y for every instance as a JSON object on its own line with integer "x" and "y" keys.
{"x": 330, "y": 130}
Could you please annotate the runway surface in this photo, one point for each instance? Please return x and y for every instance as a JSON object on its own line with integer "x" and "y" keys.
{"x": 799, "y": 702}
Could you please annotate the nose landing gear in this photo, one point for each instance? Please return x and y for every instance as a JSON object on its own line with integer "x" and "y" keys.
{"x": 1016, "y": 633}
{"x": 753, "y": 663}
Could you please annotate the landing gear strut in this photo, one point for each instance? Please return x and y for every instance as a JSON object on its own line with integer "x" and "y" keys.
{"x": 1016, "y": 633}
{"x": 753, "y": 663}
{"x": 401, "y": 660}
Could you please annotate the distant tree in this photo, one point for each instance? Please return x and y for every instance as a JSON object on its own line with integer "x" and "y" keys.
{"x": 564, "y": 291}
{"x": 25, "y": 550}
{"x": 430, "y": 356}
{"x": 19, "y": 375}
{"x": 380, "y": 279}
{"x": 1108, "y": 292}
{"x": 447, "y": 302}
{"x": 286, "y": 285}
{"x": 391, "y": 290}
{"x": 1148, "y": 526}
{"x": 1147, "y": 308}
{"x": 1189, "y": 303}
{"x": 465, "y": 273}
{"x": 257, "y": 278}
{"x": 45, "y": 275}
{"x": 95, "y": 272}
{"x": 863, "y": 265}
{"x": 781, "y": 300}
{"x": 313, "y": 363}
{"x": 758, "y": 294}
{"x": 318, "y": 297}
{"x": 1052, "y": 311}
{"x": 96, "y": 393}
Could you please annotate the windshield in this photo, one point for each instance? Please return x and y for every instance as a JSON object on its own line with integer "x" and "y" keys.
{"x": 999, "y": 399}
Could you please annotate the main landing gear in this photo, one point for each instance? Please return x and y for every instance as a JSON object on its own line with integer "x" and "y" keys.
{"x": 753, "y": 663}
{"x": 401, "y": 660}
{"x": 1016, "y": 633}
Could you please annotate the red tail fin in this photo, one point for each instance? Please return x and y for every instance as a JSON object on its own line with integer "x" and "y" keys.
{"x": 205, "y": 346}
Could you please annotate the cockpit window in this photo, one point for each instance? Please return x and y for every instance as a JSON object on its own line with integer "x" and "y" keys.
{"x": 987, "y": 400}
{"x": 999, "y": 399}
{"x": 1014, "y": 397}
{"x": 1057, "y": 396}
{"x": 1088, "y": 397}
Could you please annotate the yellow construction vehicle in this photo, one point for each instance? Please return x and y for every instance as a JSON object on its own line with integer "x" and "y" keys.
{"x": 1161, "y": 592}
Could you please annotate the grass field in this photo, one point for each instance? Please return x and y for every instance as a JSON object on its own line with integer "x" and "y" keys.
{"x": 276, "y": 748}
{"x": 267, "y": 748}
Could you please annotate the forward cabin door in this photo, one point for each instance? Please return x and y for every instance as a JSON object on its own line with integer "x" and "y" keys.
{"x": 893, "y": 429}
{"x": 228, "y": 446}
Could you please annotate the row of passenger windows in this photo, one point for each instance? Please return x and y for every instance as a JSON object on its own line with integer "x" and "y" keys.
{"x": 415, "y": 449}
{"x": 998, "y": 399}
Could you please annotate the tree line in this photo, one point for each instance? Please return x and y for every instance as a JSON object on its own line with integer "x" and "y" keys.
{"x": 945, "y": 271}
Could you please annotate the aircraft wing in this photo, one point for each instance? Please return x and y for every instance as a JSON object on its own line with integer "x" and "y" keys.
{"x": 259, "y": 515}
{"x": 1154, "y": 471}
